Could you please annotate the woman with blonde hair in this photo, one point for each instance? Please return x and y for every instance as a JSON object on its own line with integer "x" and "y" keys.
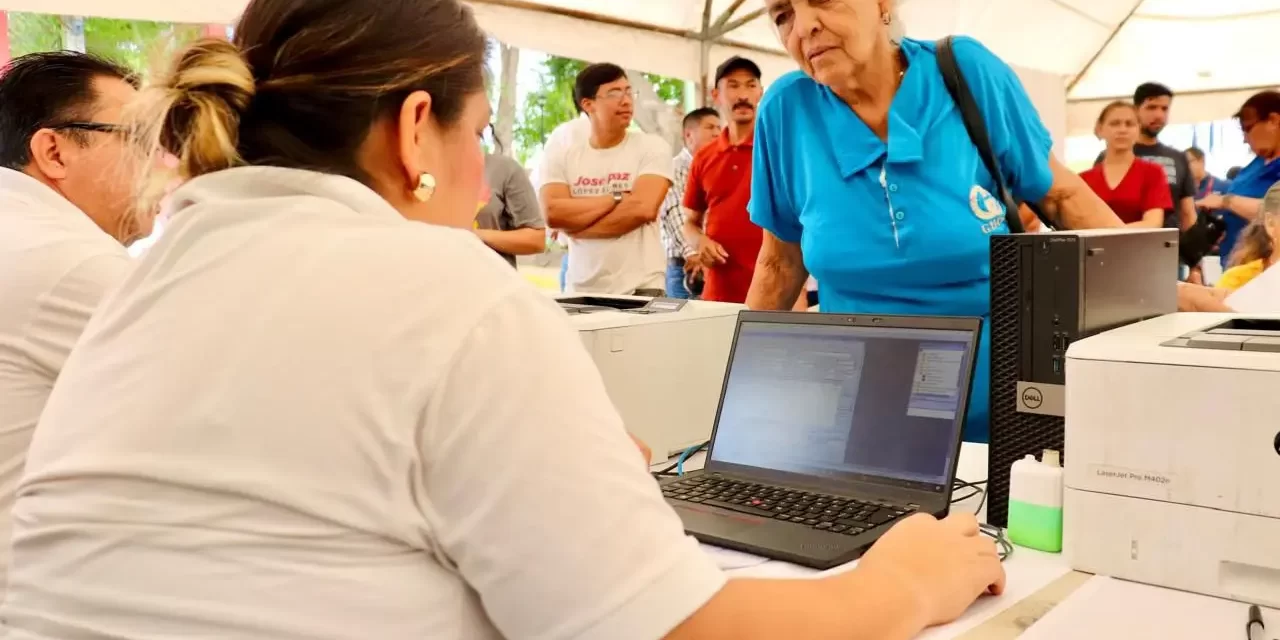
{"x": 1255, "y": 250}
{"x": 307, "y": 414}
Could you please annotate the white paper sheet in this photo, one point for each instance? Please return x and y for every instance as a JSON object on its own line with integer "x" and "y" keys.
{"x": 1260, "y": 295}
{"x": 1109, "y": 609}
{"x": 730, "y": 561}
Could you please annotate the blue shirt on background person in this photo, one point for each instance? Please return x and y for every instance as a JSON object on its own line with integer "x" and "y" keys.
{"x": 903, "y": 226}
{"x": 1254, "y": 180}
{"x": 1212, "y": 184}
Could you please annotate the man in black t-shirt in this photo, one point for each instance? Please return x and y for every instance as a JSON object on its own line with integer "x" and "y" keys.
{"x": 1153, "y": 101}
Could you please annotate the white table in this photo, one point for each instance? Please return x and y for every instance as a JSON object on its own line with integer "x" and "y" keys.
{"x": 1029, "y": 572}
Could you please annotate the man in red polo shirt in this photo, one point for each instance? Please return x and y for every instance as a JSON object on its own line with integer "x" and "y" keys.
{"x": 716, "y": 223}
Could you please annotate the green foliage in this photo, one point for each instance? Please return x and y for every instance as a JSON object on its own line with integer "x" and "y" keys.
{"x": 33, "y": 33}
{"x": 548, "y": 106}
{"x": 671, "y": 90}
{"x": 551, "y": 103}
{"x": 134, "y": 43}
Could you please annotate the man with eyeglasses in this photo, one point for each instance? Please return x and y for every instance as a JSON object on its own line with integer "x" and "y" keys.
{"x": 605, "y": 191}
{"x": 65, "y": 218}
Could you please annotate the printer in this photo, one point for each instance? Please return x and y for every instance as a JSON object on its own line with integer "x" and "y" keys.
{"x": 662, "y": 360}
{"x": 1173, "y": 455}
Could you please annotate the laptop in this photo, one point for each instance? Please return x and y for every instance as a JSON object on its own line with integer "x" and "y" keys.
{"x": 831, "y": 428}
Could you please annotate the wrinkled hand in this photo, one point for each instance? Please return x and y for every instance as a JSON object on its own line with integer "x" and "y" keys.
{"x": 1194, "y": 297}
{"x": 944, "y": 564}
{"x": 711, "y": 253}
{"x": 1210, "y": 201}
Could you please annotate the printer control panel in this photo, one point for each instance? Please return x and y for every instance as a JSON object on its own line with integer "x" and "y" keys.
{"x": 1237, "y": 334}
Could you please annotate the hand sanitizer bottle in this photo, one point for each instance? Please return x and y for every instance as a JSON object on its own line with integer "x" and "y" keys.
{"x": 1035, "y": 503}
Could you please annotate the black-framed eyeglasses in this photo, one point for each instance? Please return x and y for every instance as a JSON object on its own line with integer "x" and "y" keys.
{"x": 103, "y": 127}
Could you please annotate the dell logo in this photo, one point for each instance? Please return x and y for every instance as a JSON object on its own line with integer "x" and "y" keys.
{"x": 1032, "y": 398}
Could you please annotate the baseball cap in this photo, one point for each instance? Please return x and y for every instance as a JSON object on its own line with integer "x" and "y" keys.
{"x": 736, "y": 63}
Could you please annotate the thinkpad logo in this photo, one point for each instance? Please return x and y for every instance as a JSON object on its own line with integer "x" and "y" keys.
{"x": 1032, "y": 398}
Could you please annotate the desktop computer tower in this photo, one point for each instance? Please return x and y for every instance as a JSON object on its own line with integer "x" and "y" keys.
{"x": 1048, "y": 289}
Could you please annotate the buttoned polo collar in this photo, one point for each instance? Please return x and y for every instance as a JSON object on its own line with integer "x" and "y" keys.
{"x": 857, "y": 146}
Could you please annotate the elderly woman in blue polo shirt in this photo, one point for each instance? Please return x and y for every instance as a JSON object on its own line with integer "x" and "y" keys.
{"x": 865, "y": 177}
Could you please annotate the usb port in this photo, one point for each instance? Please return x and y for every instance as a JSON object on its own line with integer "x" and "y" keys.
{"x": 1057, "y": 365}
{"x": 1059, "y": 343}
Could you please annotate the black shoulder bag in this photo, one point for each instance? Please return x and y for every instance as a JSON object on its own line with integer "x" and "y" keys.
{"x": 977, "y": 128}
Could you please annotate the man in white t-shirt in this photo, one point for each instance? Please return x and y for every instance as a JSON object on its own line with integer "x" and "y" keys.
{"x": 65, "y": 216}
{"x": 605, "y": 191}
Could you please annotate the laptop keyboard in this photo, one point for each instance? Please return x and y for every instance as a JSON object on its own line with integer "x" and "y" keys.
{"x": 819, "y": 511}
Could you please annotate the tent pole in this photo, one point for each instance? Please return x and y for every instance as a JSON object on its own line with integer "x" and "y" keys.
{"x": 704, "y": 73}
{"x": 704, "y": 54}
{"x": 730, "y": 26}
{"x": 726, "y": 15}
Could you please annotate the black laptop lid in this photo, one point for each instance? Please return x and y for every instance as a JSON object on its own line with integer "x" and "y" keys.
{"x": 850, "y": 399}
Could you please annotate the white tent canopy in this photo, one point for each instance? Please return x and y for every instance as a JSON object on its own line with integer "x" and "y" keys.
{"x": 1212, "y": 52}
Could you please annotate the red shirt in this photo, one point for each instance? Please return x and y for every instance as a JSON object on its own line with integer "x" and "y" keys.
{"x": 719, "y": 186}
{"x": 1144, "y": 187}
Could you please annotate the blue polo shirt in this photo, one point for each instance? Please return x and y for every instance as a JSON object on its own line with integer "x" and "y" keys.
{"x": 904, "y": 226}
{"x": 1212, "y": 184}
{"x": 1253, "y": 182}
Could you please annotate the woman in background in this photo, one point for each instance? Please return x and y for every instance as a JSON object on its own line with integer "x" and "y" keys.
{"x": 1259, "y": 119}
{"x": 510, "y": 222}
{"x": 1136, "y": 190}
{"x": 314, "y": 410}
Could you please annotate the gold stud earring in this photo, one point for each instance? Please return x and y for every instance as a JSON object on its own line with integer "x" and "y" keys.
{"x": 426, "y": 187}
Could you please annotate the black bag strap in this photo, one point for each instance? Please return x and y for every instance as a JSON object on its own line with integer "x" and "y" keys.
{"x": 977, "y": 128}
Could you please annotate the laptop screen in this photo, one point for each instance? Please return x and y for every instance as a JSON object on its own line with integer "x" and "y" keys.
{"x": 835, "y": 400}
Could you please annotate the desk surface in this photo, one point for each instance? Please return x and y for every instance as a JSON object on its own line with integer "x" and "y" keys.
{"x": 1098, "y": 608}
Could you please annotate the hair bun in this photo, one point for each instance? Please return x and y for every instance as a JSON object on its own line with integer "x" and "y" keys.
{"x": 215, "y": 67}
{"x": 205, "y": 93}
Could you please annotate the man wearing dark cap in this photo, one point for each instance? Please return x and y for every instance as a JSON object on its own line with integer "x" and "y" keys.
{"x": 717, "y": 225}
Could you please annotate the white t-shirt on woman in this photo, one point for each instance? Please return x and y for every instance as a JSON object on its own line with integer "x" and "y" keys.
{"x": 304, "y": 416}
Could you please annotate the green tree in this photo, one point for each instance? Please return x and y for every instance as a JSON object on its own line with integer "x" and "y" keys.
{"x": 551, "y": 103}
{"x": 134, "y": 43}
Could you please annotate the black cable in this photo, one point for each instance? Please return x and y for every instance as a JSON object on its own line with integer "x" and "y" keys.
{"x": 965, "y": 484}
{"x": 1004, "y": 548}
{"x": 978, "y": 487}
{"x": 981, "y": 502}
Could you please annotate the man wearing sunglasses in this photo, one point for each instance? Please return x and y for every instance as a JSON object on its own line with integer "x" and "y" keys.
{"x": 65, "y": 217}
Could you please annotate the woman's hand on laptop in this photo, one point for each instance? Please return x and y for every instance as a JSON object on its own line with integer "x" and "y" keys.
{"x": 943, "y": 564}
{"x": 923, "y": 572}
